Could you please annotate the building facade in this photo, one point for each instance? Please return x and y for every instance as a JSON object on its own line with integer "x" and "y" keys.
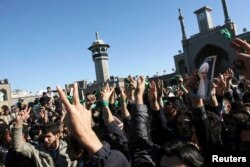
{"x": 210, "y": 41}
{"x": 5, "y": 93}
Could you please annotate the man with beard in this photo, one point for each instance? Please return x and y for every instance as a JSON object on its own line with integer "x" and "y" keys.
{"x": 53, "y": 152}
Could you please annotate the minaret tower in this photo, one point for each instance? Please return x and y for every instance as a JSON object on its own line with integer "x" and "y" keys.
{"x": 181, "y": 18}
{"x": 226, "y": 15}
{"x": 100, "y": 57}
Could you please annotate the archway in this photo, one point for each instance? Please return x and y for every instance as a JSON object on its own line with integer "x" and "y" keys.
{"x": 222, "y": 61}
{"x": 3, "y": 95}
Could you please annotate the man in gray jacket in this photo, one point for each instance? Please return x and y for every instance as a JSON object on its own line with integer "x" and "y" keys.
{"x": 51, "y": 153}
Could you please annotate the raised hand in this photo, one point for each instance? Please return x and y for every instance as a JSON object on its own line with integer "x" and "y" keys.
{"x": 192, "y": 82}
{"x": 140, "y": 90}
{"x": 152, "y": 92}
{"x": 132, "y": 82}
{"x": 44, "y": 115}
{"x": 152, "y": 96}
{"x": 91, "y": 99}
{"x": 106, "y": 93}
{"x": 160, "y": 87}
{"x": 79, "y": 121}
{"x": 220, "y": 83}
{"x": 123, "y": 101}
{"x": 213, "y": 99}
{"x": 112, "y": 96}
{"x": 22, "y": 116}
{"x": 228, "y": 75}
{"x": 242, "y": 49}
{"x": 123, "y": 95}
{"x": 130, "y": 90}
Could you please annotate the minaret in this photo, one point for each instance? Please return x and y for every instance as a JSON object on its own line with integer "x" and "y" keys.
{"x": 100, "y": 57}
{"x": 181, "y": 18}
{"x": 227, "y": 18}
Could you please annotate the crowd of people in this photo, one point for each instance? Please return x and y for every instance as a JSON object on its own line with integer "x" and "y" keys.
{"x": 143, "y": 124}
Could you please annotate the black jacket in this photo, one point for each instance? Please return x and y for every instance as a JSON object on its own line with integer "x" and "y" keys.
{"x": 142, "y": 151}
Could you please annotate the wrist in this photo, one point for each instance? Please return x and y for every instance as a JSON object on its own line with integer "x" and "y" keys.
{"x": 91, "y": 142}
{"x": 19, "y": 124}
{"x": 104, "y": 103}
{"x": 139, "y": 100}
{"x": 154, "y": 106}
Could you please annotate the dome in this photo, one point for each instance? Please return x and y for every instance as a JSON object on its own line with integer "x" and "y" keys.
{"x": 98, "y": 42}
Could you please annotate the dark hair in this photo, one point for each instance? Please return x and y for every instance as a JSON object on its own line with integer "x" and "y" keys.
{"x": 44, "y": 100}
{"x": 3, "y": 128}
{"x": 186, "y": 113}
{"x": 5, "y": 108}
{"x": 243, "y": 126}
{"x": 215, "y": 126}
{"x": 246, "y": 97}
{"x": 230, "y": 119}
{"x": 188, "y": 153}
{"x": 53, "y": 127}
{"x": 34, "y": 132}
{"x": 241, "y": 115}
{"x": 236, "y": 106}
{"x": 243, "y": 145}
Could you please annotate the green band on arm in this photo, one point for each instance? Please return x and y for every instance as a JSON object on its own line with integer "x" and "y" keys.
{"x": 104, "y": 103}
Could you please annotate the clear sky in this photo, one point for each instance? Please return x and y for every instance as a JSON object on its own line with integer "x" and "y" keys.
{"x": 44, "y": 42}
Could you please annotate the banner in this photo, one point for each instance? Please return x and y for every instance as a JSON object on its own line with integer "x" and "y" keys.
{"x": 206, "y": 75}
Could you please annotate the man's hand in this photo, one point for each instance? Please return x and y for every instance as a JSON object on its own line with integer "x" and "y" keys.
{"x": 79, "y": 121}
{"x": 160, "y": 87}
{"x": 91, "y": 99}
{"x": 228, "y": 75}
{"x": 220, "y": 85}
{"x": 106, "y": 93}
{"x": 22, "y": 116}
{"x": 130, "y": 90}
{"x": 132, "y": 82}
{"x": 192, "y": 82}
{"x": 242, "y": 49}
{"x": 213, "y": 99}
{"x": 152, "y": 96}
{"x": 123, "y": 101}
{"x": 123, "y": 95}
{"x": 140, "y": 90}
{"x": 44, "y": 115}
{"x": 105, "y": 99}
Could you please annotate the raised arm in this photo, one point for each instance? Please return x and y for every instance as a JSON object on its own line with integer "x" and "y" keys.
{"x": 141, "y": 147}
{"x": 104, "y": 100}
{"x": 79, "y": 122}
{"x": 242, "y": 49}
{"x": 18, "y": 142}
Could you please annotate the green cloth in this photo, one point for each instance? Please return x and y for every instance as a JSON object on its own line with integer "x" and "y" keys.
{"x": 226, "y": 33}
{"x": 70, "y": 99}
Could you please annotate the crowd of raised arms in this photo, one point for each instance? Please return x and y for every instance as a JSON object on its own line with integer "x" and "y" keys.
{"x": 142, "y": 124}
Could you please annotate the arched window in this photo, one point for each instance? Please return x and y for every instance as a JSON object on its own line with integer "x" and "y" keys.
{"x": 3, "y": 95}
{"x": 103, "y": 50}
